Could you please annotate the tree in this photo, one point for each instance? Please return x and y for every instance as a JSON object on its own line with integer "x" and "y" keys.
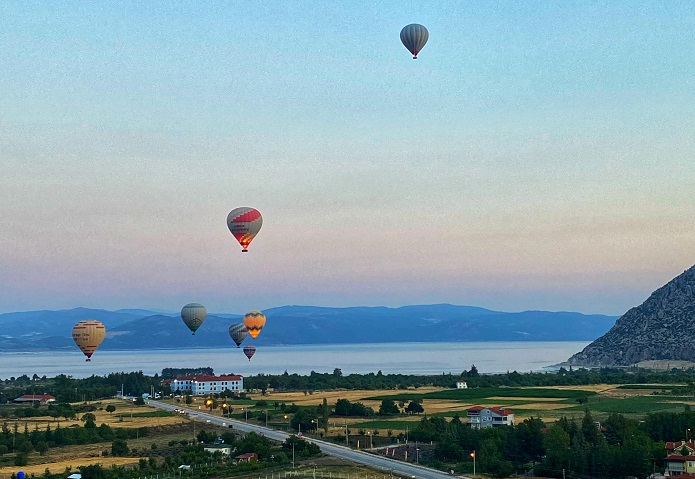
{"x": 21, "y": 459}
{"x": 119, "y": 447}
{"x": 110, "y": 408}
{"x": 88, "y": 417}
{"x": 589, "y": 429}
{"x": 342, "y": 407}
{"x": 42, "y": 448}
{"x": 388, "y": 407}
{"x": 93, "y": 471}
{"x": 325, "y": 412}
{"x": 88, "y": 420}
{"x": 414, "y": 408}
{"x": 557, "y": 444}
{"x": 336, "y": 372}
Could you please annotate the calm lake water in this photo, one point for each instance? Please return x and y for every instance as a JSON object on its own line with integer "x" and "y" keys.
{"x": 406, "y": 358}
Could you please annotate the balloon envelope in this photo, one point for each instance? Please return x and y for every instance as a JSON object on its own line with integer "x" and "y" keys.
{"x": 238, "y": 333}
{"x": 193, "y": 315}
{"x": 88, "y": 335}
{"x": 244, "y": 224}
{"x": 414, "y": 37}
{"x": 249, "y": 351}
{"x": 254, "y": 322}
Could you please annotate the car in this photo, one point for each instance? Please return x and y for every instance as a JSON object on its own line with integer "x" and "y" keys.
{"x": 230, "y": 426}
{"x": 224, "y": 423}
{"x": 207, "y": 420}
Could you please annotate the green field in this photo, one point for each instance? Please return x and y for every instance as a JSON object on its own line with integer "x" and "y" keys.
{"x": 475, "y": 394}
{"x": 155, "y": 413}
{"x": 635, "y": 405}
{"x": 649, "y": 386}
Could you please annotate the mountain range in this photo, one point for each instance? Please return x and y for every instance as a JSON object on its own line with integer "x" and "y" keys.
{"x": 133, "y": 329}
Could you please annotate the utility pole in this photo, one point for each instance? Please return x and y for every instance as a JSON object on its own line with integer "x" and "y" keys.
{"x": 473, "y": 456}
{"x": 347, "y": 441}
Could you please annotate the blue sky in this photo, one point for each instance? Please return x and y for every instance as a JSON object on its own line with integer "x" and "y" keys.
{"x": 537, "y": 155}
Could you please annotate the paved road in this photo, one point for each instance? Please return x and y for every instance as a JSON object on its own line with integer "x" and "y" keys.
{"x": 396, "y": 467}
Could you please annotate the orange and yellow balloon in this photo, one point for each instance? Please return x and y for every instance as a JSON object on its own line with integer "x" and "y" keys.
{"x": 254, "y": 322}
{"x": 88, "y": 335}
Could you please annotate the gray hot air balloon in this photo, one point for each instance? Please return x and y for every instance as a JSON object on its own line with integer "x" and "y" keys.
{"x": 414, "y": 37}
{"x": 249, "y": 351}
{"x": 238, "y": 333}
{"x": 193, "y": 315}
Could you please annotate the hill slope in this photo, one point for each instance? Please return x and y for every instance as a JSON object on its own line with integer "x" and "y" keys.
{"x": 661, "y": 328}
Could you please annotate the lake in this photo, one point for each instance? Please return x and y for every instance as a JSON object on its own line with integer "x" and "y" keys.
{"x": 389, "y": 358}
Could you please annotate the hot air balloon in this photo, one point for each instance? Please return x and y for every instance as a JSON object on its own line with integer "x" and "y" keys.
{"x": 238, "y": 333}
{"x": 254, "y": 322}
{"x": 249, "y": 351}
{"x": 193, "y": 315}
{"x": 414, "y": 37}
{"x": 244, "y": 224}
{"x": 88, "y": 335}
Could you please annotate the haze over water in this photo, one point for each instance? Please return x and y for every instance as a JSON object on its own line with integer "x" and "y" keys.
{"x": 391, "y": 358}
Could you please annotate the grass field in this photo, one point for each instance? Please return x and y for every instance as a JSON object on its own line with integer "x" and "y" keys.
{"x": 549, "y": 404}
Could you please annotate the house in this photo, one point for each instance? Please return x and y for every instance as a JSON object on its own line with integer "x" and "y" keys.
{"x": 203, "y": 385}
{"x": 480, "y": 417}
{"x": 248, "y": 457}
{"x": 35, "y": 398}
{"x": 461, "y": 385}
{"x": 680, "y": 459}
{"x": 224, "y": 449}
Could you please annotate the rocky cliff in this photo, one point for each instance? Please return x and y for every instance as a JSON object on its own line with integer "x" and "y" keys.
{"x": 661, "y": 328}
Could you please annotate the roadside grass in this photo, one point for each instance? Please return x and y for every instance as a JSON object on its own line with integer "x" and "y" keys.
{"x": 394, "y": 424}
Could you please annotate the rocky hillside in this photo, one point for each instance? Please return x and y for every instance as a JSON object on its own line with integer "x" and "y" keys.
{"x": 661, "y": 328}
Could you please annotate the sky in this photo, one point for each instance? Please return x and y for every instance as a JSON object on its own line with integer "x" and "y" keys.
{"x": 536, "y": 155}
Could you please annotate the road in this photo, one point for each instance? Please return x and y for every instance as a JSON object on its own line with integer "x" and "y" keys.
{"x": 393, "y": 466}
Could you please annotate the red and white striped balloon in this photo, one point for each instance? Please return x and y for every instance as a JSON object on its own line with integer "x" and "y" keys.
{"x": 244, "y": 224}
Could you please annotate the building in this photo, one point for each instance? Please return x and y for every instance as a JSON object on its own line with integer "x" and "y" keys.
{"x": 248, "y": 457}
{"x": 224, "y": 449}
{"x": 480, "y": 417}
{"x": 680, "y": 458}
{"x": 35, "y": 398}
{"x": 204, "y": 385}
{"x": 461, "y": 385}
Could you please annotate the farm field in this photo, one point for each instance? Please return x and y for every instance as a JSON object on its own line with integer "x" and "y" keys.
{"x": 163, "y": 426}
{"x": 548, "y": 404}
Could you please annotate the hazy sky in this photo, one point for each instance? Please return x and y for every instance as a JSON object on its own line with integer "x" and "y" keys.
{"x": 537, "y": 155}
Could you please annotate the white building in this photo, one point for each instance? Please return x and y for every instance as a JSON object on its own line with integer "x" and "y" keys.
{"x": 461, "y": 385}
{"x": 480, "y": 417}
{"x": 224, "y": 449}
{"x": 204, "y": 385}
